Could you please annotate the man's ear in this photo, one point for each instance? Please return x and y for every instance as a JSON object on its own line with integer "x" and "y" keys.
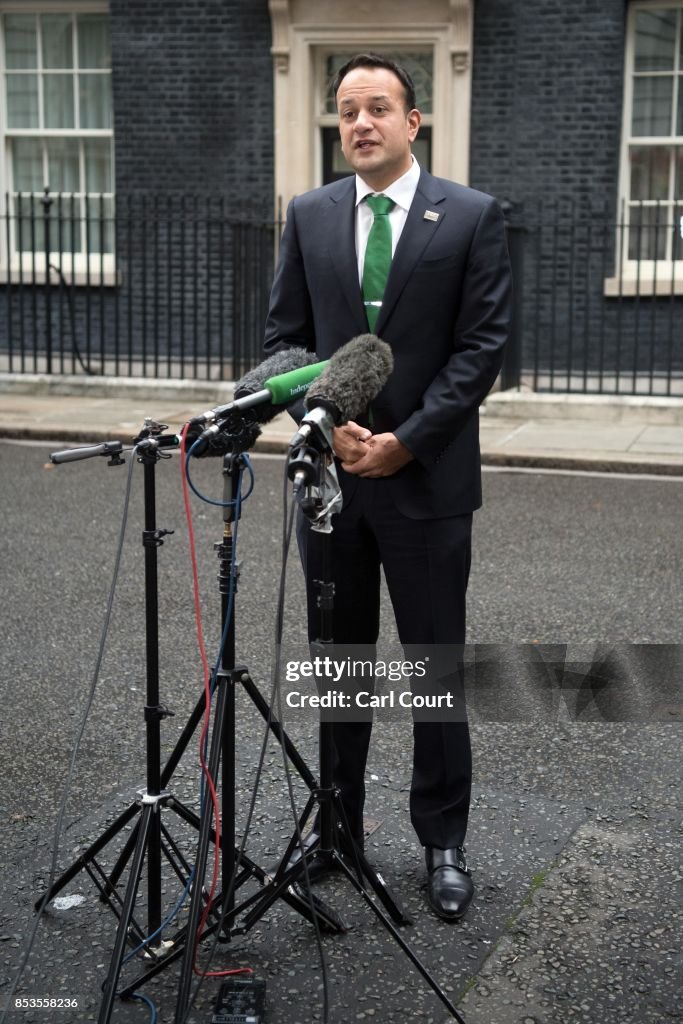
{"x": 414, "y": 120}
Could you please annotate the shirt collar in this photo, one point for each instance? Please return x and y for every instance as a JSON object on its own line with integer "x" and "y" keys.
{"x": 402, "y": 191}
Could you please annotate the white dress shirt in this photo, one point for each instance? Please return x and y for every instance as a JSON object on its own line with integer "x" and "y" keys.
{"x": 402, "y": 191}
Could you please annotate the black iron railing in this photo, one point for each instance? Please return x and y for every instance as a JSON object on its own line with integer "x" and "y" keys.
{"x": 138, "y": 286}
{"x": 177, "y": 286}
{"x": 599, "y": 299}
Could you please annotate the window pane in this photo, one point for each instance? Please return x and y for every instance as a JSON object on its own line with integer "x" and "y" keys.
{"x": 95, "y": 101}
{"x": 21, "y": 49}
{"x": 98, "y": 165}
{"x": 679, "y": 128}
{"x": 677, "y": 247}
{"x": 29, "y": 226}
{"x": 101, "y": 225}
{"x": 22, "y": 101}
{"x": 418, "y": 65}
{"x": 57, "y": 40}
{"x": 94, "y": 47}
{"x": 27, "y": 165}
{"x": 62, "y": 158}
{"x": 652, "y": 103}
{"x": 58, "y": 101}
{"x": 66, "y": 231}
{"x": 650, "y": 172}
{"x": 655, "y": 40}
{"x": 678, "y": 187}
{"x": 422, "y": 149}
{"x": 648, "y": 233}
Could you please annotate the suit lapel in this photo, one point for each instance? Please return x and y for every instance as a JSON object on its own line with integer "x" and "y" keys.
{"x": 339, "y": 225}
{"x": 417, "y": 233}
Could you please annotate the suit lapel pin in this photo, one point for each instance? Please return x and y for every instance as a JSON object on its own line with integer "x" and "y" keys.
{"x": 430, "y": 215}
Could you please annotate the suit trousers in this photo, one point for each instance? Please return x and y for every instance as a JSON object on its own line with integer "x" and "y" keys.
{"x": 426, "y": 565}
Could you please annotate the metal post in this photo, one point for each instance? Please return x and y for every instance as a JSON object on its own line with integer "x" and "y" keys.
{"x": 47, "y": 203}
{"x": 512, "y": 363}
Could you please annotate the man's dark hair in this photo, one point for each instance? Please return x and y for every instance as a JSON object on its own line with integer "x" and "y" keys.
{"x": 375, "y": 60}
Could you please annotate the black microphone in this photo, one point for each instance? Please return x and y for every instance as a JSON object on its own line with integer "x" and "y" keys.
{"x": 356, "y": 374}
{"x": 262, "y": 394}
{"x": 257, "y": 388}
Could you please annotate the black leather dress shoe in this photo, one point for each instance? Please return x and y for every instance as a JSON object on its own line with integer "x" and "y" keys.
{"x": 450, "y": 889}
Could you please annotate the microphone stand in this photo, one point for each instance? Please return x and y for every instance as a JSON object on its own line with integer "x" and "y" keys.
{"x": 149, "y": 837}
{"x": 310, "y": 467}
{"x": 236, "y": 869}
{"x": 222, "y": 753}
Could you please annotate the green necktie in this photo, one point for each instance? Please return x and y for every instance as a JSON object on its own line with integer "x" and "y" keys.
{"x": 377, "y": 257}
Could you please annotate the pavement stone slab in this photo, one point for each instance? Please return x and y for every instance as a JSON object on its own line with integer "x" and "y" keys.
{"x": 575, "y": 436}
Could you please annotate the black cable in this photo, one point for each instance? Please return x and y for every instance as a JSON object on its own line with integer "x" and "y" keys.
{"x": 287, "y": 524}
{"x": 72, "y": 318}
{"x": 84, "y": 720}
{"x": 279, "y": 629}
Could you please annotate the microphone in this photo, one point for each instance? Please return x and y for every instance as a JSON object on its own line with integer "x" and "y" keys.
{"x": 264, "y": 392}
{"x": 279, "y": 380}
{"x": 356, "y": 374}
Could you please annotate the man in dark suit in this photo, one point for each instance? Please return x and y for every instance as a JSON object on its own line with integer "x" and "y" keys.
{"x": 410, "y": 474}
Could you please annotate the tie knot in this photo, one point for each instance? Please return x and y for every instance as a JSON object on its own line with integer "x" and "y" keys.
{"x": 380, "y": 205}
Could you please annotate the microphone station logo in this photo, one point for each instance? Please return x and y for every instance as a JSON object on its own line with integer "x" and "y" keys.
{"x": 297, "y": 389}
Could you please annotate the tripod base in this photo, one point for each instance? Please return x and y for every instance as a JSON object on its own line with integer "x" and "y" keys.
{"x": 333, "y": 850}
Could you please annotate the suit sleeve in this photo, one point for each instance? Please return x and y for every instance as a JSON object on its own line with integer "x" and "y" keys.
{"x": 480, "y": 333}
{"x": 290, "y": 317}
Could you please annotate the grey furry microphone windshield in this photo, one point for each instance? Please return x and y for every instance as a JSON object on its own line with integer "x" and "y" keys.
{"x": 356, "y": 374}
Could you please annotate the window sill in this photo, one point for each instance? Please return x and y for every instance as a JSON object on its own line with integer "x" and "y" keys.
{"x": 79, "y": 278}
{"x": 632, "y": 287}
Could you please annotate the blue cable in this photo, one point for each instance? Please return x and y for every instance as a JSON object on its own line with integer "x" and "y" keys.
{"x": 215, "y": 501}
{"x": 146, "y": 999}
{"x": 167, "y": 920}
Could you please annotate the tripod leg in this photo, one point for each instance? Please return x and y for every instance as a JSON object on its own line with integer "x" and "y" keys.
{"x": 109, "y": 987}
{"x": 396, "y": 935}
{"x": 293, "y": 754}
{"x": 365, "y": 869}
{"x": 90, "y": 854}
{"x": 183, "y": 741}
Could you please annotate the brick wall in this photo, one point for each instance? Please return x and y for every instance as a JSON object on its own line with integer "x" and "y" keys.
{"x": 547, "y": 98}
{"x": 193, "y": 102}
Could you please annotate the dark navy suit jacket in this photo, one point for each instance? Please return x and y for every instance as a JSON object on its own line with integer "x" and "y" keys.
{"x": 445, "y": 314}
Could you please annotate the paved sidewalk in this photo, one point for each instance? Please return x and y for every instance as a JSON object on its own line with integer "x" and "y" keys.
{"x": 602, "y": 433}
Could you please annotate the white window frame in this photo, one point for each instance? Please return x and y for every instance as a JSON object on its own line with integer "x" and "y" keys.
{"x": 643, "y": 277}
{"x": 76, "y": 267}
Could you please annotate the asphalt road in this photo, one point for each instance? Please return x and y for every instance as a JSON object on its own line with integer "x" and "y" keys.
{"x": 559, "y": 559}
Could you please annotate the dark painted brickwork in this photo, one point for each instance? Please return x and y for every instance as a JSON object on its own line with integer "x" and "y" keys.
{"x": 193, "y": 104}
{"x": 547, "y": 98}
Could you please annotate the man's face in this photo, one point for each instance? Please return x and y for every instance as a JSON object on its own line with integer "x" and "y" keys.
{"x": 375, "y": 129}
